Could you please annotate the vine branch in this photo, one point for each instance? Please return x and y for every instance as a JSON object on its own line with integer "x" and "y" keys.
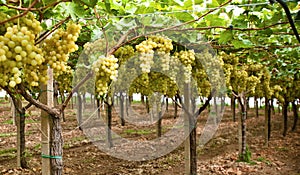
{"x": 20, "y": 15}
{"x": 47, "y": 33}
{"x": 36, "y": 9}
{"x": 75, "y": 89}
{"x": 165, "y": 29}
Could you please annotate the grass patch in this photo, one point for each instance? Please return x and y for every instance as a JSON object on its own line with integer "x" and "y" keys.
{"x": 136, "y": 102}
{"x": 246, "y": 157}
{"x": 9, "y": 121}
{"x": 264, "y": 160}
{"x": 80, "y": 138}
{"x": 140, "y": 132}
{"x": 282, "y": 149}
{"x": 28, "y": 121}
{"x": 8, "y": 151}
{"x": 37, "y": 147}
{"x": 66, "y": 146}
{"x": 8, "y": 134}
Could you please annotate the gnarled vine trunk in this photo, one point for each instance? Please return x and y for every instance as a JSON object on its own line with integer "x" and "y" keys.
{"x": 56, "y": 146}
{"x": 232, "y": 104}
{"x": 296, "y": 116}
{"x": 122, "y": 109}
{"x": 285, "y": 116}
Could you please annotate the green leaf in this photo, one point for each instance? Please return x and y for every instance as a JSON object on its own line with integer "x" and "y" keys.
{"x": 213, "y": 4}
{"x": 143, "y": 9}
{"x": 90, "y": 3}
{"x": 147, "y": 20}
{"x": 183, "y": 16}
{"x": 2, "y": 1}
{"x": 267, "y": 31}
{"x": 214, "y": 20}
{"x": 107, "y": 5}
{"x": 225, "y": 37}
{"x": 241, "y": 44}
{"x": 179, "y": 2}
{"x": 75, "y": 10}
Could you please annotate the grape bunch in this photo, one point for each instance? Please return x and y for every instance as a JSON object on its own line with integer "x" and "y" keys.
{"x": 98, "y": 45}
{"x": 124, "y": 53}
{"x": 106, "y": 70}
{"x": 187, "y": 58}
{"x": 20, "y": 59}
{"x": 57, "y": 48}
{"x": 65, "y": 79}
{"x": 162, "y": 45}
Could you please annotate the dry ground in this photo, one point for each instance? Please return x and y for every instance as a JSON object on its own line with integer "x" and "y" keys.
{"x": 218, "y": 156}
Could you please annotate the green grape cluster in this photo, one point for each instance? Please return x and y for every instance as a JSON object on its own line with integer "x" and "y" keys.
{"x": 124, "y": 53}
{"x": 57, "y": 48}
{"x": 106, "y": 70}
{"x": 187, "y": 58}
{"x": 3, "y": 28}
{"x": 65, "y": 79}
{"x": 162, "y": 45}
{"x": 20, "y": 59}
{"x": 98, "y": 45}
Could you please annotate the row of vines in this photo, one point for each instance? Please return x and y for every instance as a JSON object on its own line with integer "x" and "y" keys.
{"x": 181, "y": 50}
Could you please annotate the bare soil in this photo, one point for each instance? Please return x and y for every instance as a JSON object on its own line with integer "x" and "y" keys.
{"x": 218, "y": 156}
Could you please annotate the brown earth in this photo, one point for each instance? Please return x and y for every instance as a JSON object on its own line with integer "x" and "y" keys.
{"x": 218, "y": 156}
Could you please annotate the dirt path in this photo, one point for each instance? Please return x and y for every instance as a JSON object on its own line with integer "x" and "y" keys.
{"x": 218, "y": 156}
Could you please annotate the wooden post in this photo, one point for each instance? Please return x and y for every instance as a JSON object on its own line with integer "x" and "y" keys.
{"x": 13, "y": 111}
{"x": 46, "y": 98}
{"x": 187, "y": 148}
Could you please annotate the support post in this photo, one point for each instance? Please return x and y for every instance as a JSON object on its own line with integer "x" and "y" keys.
{"x": 46, "y": 98}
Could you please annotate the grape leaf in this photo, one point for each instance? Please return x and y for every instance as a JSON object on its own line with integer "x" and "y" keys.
{"x": 241, "y": 44}
{"x": 183, "y": 16}
{"x": 225, "y": 37}
{"x": 75, "y": 10}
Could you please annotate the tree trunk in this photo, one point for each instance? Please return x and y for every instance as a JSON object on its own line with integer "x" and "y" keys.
{"x": 147, "y": 105}
{"x": 91, "y": 102}
{"x": 232, "y": 104}
{"x": 222, "y": 103}
{"x": 295, "y": 111}
{"x": 20, "y": 121}
{"x": 285, "y": 117}
{"x": 127, "y": 105}
{"x": 79, "y": 110}
{"x": 56, "y": 148}
{"x": 175, "y": 108}
{"x": 193, "y": 101}
{"x": 98, "y": 107}
{"x": 242, "y": 127}
{"x": 167, "y": 104}
{"x": 130, "y": 98}
{"x": 108, "y": 128}
{"x": 260, "y": 102}
{"x": 256, "y": 107}
{"x": 267, "y": 121}
{"x": 55, "y": 93}
{"x": 248, "y": 105}
{"x": 122, "y": 109}
{"x": 158, "y": 125}
{"x": 142, "y": 99}
{"x": 272, "y": 107}
{"x": 83, "y": 100}
{"x": 216, "y": 110}
{"x": 62, "y": 94}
